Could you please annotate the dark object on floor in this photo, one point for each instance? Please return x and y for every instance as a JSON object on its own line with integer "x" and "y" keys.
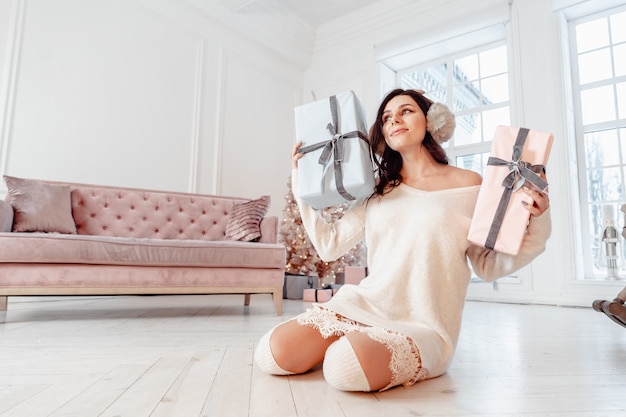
{"x": 615, "y": 310}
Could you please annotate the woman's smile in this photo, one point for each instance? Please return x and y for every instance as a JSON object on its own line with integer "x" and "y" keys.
{"x": 398, "y": 131}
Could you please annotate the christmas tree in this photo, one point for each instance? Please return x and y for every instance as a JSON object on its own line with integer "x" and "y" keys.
{"x": 302, "y": 258}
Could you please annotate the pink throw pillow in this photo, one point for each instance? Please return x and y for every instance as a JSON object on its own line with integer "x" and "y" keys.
{"x": 245, "y": 220}
{"x": 40, "y": 207}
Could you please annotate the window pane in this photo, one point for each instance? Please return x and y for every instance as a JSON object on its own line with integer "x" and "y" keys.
{"x": 466, "y": 96}
{"x": 595, "y": 66}
{"x": 496, "y": 89}
{"x": 476, "y": 87}
{"x": 598, "y": 105}
{"x": 601, "y": 64}
{"x": 438, "y": 95}
{"x": 601, "y": 148}
{"x": 619, "y": 59}
{"x": 592, "y": 35}
{"x": 432, "y": 78}
{"x": 618, "y": 27}
{"x": 604, "y": 184}
{"x": 493, "y": 62}
{"x": 475, "y": 162}
{"x": 468, "y": 129}
{"x": 595, "y": 223}
{"x": 493, "y": 118}
{"x": 621, "y": 99}
{"x": 411, "y": 80}
{"x": 622, "y": 141}
{"x": 466, "y": 69}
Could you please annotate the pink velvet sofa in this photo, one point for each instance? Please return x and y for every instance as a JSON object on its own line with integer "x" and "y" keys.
{"x": 134, "y": 241}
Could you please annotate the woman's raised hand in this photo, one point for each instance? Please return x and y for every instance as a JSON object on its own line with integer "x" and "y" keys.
{"x": 295, "y": 155}
{"x": 541, "y": 200}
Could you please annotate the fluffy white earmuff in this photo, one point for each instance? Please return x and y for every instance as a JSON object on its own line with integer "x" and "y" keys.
{"x": 440, "y": 122}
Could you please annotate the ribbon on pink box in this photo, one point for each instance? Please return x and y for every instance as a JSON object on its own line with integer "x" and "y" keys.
{"x": 518, "y": 156}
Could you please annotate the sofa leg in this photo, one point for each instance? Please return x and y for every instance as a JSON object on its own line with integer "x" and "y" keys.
{"x": 4, "y": 301}
{"x": 278, "y": 302}
{"x": 246, "y": 299}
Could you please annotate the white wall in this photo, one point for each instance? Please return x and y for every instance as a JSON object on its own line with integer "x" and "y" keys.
{"x": 182, "y": 95}
{"x": 346, "y": 56}
{"x": 154, "y": 94}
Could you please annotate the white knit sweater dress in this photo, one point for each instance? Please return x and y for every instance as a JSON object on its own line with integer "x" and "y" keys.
{"x": 417, "y": 258}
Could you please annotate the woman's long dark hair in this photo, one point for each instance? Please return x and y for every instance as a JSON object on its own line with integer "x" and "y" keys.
{"x": 388, "y": 161}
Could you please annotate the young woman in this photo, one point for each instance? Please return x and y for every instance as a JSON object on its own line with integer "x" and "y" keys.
{"x": 401, "y": 323}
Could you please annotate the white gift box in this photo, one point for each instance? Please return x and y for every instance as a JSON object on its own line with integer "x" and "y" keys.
{"x": 337, "y": 165}
{"x": 296, "y": 284}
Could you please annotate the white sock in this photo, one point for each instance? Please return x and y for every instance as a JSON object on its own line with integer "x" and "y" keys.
{"x": 342, "y": 368}
{"x": 265, "y": 359}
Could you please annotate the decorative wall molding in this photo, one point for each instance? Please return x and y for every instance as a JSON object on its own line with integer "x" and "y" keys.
{"x": 225, "y": 157}
{"x": 267, "y": 23}
{"x": 197, "y": 118}
{"x": 9, "y": 81}
{"x": 195, "y": 157}
{"x": 219, "y": 125}
{"x": 25, "y": 108}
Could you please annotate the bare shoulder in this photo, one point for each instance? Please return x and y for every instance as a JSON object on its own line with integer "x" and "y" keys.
{"x": 464, "y": 177}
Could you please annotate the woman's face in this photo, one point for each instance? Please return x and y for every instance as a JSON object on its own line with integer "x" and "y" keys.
{"x": 404, "y": 124}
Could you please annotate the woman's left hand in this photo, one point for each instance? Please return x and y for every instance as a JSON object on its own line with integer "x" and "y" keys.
{"x": 541, "y": 200}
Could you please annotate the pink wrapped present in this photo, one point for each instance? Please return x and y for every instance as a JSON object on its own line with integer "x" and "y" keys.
{"x": 318, "y": 295}
{"x": 518, "y": 156}
{"x": 337, "y": 165}
{"x": 354, "y": 274}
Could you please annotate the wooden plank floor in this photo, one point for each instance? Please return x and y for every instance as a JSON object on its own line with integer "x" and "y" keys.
{"x": 187, "y": 356}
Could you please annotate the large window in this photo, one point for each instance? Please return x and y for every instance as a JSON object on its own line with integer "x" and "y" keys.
{"x": 475, "y": 85}
{"x": 598, "y": 52}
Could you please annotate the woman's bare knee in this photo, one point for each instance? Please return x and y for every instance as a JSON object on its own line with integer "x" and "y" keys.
{"x": 374, "y": 358}
{"x": 298, "y": 348}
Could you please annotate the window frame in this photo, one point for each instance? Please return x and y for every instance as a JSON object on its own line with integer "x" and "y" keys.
{"x": 586, "y": 238}
{"x": 484, "y": 147}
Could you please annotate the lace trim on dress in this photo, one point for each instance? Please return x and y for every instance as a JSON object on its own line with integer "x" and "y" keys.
{"x": 327, "y": 322}
{"x": 405, "y": 364}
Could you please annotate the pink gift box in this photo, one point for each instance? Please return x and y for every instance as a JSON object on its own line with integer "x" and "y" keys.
{"x": 500, "y": 219}
{"x": 354, "y": 274}
{"x": 318, "y": 295}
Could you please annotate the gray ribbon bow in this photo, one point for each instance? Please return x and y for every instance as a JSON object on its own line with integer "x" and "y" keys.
{"x": 519, "y": 172}
{"x": 335, "y": 148}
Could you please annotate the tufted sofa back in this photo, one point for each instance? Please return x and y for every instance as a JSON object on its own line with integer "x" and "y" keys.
{"x": 123, "y": 212}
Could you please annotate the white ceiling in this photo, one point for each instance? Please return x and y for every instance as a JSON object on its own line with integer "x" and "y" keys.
{"x": 316, "y": 12}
